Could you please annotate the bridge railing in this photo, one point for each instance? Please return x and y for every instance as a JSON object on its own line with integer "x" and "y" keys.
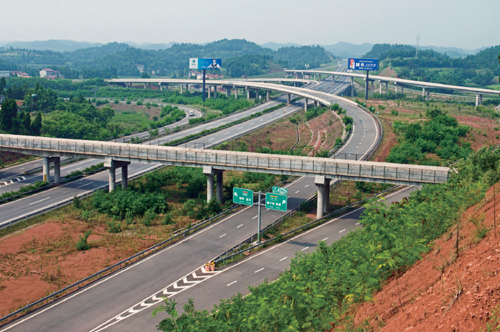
{"x": 256, "y": 162}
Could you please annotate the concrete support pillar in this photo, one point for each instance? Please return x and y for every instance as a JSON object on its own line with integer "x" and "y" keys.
{"x": 402, "y": 89}
{"x": 57, "y": 169}
{"x": 187, "y": 87}
{"x": 386, "y": 86}
{"x": 145, "y": 86}
{"x": 161, "y": 86}
{"x": 228, "y": 92}
{"x": 423, "y": 92}
{"x": 112, "y": 165}
{"x": 182, "y": 90}
{"x": 315, "y": 77}
{"x": 294, "y": 84}
{"x": 112, "y": 179}
{"x": 479, "y": 99}
{"x": 288, "y": 99}
{"x": 427, "y": 95}
{"x": 124, "y": 177}
{"x": 215, "y": 91}
{"x": 210, "y": 172}
{"x": 220, "y": 182}
{"x": 315, "y": 103}
{"x": 380, "y": 87}
{"x": 248, "y": 93}
{"x": 326, "y": 198}
{"x": 46, "y": 169}
{"x": 320, "y": 184}
{"x": 305, "y": 104}
{"x": 396, "y": 88}
{"x": 235, "y": 93}
{"x": 267, "y": 95}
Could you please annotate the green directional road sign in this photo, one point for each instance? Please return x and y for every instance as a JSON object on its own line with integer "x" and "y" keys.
{"x": 276, "y": 202}
{"x": 280, "y": 190}
{"x": 242, "y": 196}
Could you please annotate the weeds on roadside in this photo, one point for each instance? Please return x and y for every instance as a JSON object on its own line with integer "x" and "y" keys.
{"x": 82, "y": 244}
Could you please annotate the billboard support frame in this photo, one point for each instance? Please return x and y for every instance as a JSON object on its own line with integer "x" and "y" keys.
{"x": 203, "y": 93}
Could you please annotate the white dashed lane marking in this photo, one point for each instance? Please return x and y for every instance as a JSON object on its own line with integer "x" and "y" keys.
{"x": 325, "y": 239}
{"x": 259, "y": 270}
{"x": 283, "y": 258}
{"x": 222, "y": 235}
{"x": 39, "y": 201}
{"x": 239, "y": 226}
{"x": 232, "y": 282}
{"x": 305, "y": 248}
{"x": 342, "y": 231}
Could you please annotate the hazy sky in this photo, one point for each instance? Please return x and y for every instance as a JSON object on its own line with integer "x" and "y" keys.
{"x": 460, "y": 23}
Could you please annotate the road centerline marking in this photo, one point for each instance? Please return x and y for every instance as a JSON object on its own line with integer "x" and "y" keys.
{"x": 222, "y": 235}
{"x": 283, "y": 258}
{"x": 342, "y": 231}
{"x": 239, "y": 226}
{"x": 39, "y": 201}
{"x": 259, "y": 270}
{"x": 232, "y": 282}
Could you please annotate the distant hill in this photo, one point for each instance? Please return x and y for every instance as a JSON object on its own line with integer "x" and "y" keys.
{"x": 151, "y": 46}
{"x": 51, "y": 45}
{"x": 275, "y": 46}
{"x": 346, "y": 50}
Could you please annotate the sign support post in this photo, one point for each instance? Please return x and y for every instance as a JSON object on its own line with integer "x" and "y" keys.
{"x": 204, "y": 71}
{"x": 366, "y": 83}
{"x": 364, "y": 64}
{"x": 258, "y": 221}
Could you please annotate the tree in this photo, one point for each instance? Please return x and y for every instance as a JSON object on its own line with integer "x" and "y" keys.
{"x": 144, "y": 75}
{"x": 7, "y": 114}
{"x": 26, "y": 122}
{"x": 36, "y": 125}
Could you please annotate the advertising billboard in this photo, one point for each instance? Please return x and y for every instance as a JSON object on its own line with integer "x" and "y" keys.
{"x": 363, "y": 64}
{"x": 205, "y": 63}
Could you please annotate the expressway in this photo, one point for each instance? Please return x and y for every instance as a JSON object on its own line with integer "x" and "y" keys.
{"x": 99, "y": 302}
{"x": 13, "y": 178}
{"x": 209, "y": 288}
{"x": 401, "y": 82}
{"x": 56, "y": 196}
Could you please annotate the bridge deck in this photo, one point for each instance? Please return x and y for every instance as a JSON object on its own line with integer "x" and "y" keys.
{"x": 228, "y": 160}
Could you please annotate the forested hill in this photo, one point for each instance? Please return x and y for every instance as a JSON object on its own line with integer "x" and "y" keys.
{"x": 121, "y": 59}
{"x": 479, "y": 69}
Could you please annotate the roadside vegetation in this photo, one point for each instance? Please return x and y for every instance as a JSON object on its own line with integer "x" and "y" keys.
{"x": 314, "y": 132}
{"x": 348, "y": 272}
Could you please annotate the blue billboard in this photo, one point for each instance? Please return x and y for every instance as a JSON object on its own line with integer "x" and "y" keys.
{"x": 205, "y": 63}
{"x": 363, "y": 64}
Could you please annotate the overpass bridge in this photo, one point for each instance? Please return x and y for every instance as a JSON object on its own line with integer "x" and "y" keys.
{"x": 228, "y": 85}
{"x": 400, "y": 83}
{"x": 214, "y": 162}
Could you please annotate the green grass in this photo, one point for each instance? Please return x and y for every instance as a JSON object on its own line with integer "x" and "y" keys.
{"x": 494, "y": 86}
{"x": 133, "y": 119}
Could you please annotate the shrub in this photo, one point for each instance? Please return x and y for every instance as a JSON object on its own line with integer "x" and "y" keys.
{"x": 82, "y": 243}
{"x": 114, "y": 227}
{"x": 394, "y": 112}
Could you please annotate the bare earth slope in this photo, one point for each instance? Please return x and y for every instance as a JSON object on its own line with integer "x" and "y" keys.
{"x": 442, "y": 292}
